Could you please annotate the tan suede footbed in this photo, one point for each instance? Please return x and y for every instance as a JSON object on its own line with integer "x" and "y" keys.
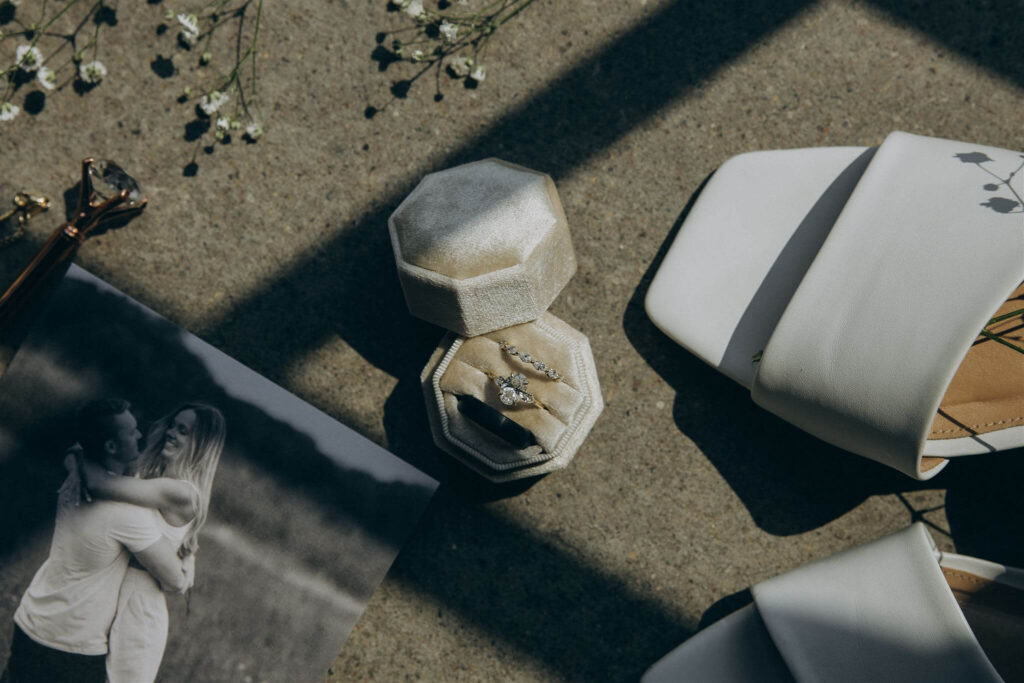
{"x": 987, "y": 392}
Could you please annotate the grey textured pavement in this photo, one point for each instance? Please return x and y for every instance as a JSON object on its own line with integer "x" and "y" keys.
{"x": 685, "y": 493}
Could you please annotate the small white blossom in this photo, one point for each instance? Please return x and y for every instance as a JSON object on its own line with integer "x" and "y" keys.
{"x": 92, "y": 72}
{"x": 47, "y": 77}
{"x": 223, "y": 125}
{"x": 212, "y": 102}
{"x": 189, "y": 28}
{"x": 189, "y": 23}
{"x": 417, "y": 55}
{"x": 413, "y": 8}
{"x": 479, "y": 73}
{"x": 448, "y": 31}
{"x": 8, "y": 111}
{"x": 462, "y": 65}
{"x": 254, "y": 131}
{"x": 28, "y": 57}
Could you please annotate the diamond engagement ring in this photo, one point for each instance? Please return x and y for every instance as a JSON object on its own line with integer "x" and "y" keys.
{"x": 512, "y": 390}
{"x": 527, "y": 358}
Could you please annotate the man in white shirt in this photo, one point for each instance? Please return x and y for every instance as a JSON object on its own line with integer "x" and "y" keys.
{"x": 62, "y": 622}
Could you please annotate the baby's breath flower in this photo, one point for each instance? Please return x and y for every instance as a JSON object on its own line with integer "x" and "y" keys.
{"x": 28, "y": 57}
{"x": 417, "y": 55}
{"x": 92, "y": 72}
{"x": 413, "y": 8}
{"x": 8, "y": 110}
{"x": 223, "y": 125}
{"x": 479, "y": 73}
{"x": 47, "y": 77}
{"x": 189, "y": 38}
{"x": 212, "y": 102}
{"x": 254, "y": 131}
{"x": 461, "y": 65}
{"x": 189, "y": 23}
{"x": 448, "y": 30}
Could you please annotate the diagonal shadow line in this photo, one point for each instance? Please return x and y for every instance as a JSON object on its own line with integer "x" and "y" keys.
{"x": 349, "y": 286}
{"x": 989, "y": 37}
{"x": 537, "y": 594}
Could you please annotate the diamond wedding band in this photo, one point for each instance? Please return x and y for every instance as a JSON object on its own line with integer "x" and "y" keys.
{"x": 540, "y": 365}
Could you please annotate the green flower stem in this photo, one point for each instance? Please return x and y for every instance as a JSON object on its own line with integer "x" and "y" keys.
{"x": 999, "y": 340}
{"x": 250, "y": 53}
{"x": 1005, "y": 316}
{"x": 41, "y": 31}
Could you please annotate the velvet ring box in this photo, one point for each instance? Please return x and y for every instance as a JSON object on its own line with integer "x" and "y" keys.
{"x": 482, "y": 246}
{"x": 563, "y": 414}
{"x": 483, "y": 249}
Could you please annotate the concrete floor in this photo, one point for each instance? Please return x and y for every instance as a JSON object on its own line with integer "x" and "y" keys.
{"x": 685, "y": 493}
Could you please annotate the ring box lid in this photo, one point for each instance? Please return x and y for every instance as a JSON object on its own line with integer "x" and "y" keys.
{"x": 482, "y": 246}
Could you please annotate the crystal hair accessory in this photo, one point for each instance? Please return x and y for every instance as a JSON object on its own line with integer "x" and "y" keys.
{"x": 107, "y": 198}
{"x": 525, "y": 357}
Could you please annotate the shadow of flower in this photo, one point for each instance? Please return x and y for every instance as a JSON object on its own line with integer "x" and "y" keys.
{"x": 1001, "y": 204}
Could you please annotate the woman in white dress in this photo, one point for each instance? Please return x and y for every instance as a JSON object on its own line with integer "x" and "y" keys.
{"x": 175, "y": 476}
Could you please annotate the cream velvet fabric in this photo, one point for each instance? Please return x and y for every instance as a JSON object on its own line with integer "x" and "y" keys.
{"x": 465, "y": 367}
{"x": 476, "y": 218}
{"x": 482, "y": 246}
{"x": 480, "y": 359}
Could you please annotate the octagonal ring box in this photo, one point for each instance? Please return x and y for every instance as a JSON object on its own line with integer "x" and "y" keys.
{"x": 567, "y": 410}
{"x": 482, "y": 246}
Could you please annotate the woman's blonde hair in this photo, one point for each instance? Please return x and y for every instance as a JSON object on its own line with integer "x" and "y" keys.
{"x": 197, "y": 466}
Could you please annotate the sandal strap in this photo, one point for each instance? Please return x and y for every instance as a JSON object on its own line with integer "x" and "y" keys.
{"x": 880, "y": 612}
{"x": 917, "y": 261}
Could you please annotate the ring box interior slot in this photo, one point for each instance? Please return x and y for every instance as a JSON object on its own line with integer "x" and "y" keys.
{"x": 565, "y": 412}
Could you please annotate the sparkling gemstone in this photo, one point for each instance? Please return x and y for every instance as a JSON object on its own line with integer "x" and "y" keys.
{"x": 508, "y": 395}
{"x": 526, "y": 357}
{"x": 553, "y": 374}
{"x": 540, "y": 365}
{"x": 512, "y": 351}
{"x": 109, "y": 179}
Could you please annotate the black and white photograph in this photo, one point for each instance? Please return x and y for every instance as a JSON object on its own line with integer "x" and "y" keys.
{"x": 170, "y": 515}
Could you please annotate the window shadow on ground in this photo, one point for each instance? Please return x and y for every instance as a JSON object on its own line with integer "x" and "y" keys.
{"x": 989, "y": 35}
{"x": 350, "y": 288}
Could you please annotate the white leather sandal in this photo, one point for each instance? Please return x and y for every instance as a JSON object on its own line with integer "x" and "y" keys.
{"x": 895, "y": 609}
{"x": 845, "y": 286}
